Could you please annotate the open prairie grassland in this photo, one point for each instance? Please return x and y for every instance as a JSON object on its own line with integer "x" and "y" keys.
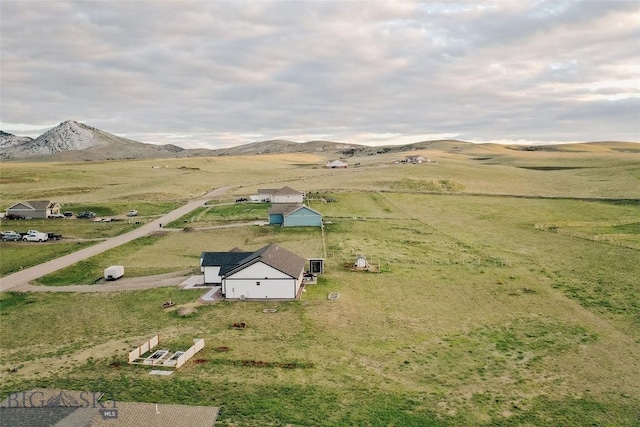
{"x": 507, "y": 293}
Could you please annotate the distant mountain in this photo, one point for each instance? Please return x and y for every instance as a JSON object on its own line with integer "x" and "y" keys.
{"x": 598, "y": 146}
{"x": 279, "y": 146}
{"x": 8, "y": 140}
{"x": 73, "y": 141}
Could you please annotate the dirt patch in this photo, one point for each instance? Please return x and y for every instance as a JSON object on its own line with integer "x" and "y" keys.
{"x": 187, "y": 311}
{"x": 34, "y": 368}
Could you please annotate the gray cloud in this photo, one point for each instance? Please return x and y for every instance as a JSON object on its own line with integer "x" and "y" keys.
{"x": 225, "y": 73}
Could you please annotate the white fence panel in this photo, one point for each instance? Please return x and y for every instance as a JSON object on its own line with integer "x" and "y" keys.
{"x": 143, "y": 348}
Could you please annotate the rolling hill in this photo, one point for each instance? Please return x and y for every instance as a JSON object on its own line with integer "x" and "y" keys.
{"x": 74, "y": 141}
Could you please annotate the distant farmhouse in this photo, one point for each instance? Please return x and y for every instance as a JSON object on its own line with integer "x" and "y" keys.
{"x": 414, "y": 159}
{"x": 337, "y": 164}
{"x": 34, "y": 209}
{"x": 282, "y": 195}
{"x": 294, "y": 215}
{"x": 268, "y": 273}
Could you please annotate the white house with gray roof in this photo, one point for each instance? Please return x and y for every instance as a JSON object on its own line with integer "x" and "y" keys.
{"x": 34, "y": 209}
{"x": 271, "y": 272}
{"x": 279, "y": 195}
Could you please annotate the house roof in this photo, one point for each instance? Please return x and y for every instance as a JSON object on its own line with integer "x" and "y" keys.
{"x": 34, "y": 204}
{"x": 225, "y": 260}
{"x": 284, "y": 191}
{"x": 287, "y": 209}
{"x": 71, "y": 408}
{"x": 46, "y": 416}
{"x": 287, "y": 191}
{"x": 276, "y": 257}
{"x": 136, "y": 414}
{"x": 283, "y": 208}
{"x": 267, "y": 190}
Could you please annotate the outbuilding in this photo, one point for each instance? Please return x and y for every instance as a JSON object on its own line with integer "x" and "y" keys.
{"x": 361, "y": 263}
{"x": 294, "y": 215}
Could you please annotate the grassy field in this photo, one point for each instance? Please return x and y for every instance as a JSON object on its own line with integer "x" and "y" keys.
{"x": 479, "y": 316}
{"x": 19, "y": 255}
{"x": 223, "y": 214}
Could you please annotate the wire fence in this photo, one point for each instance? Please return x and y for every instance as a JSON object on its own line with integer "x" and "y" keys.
{"x": 596, "y": 237}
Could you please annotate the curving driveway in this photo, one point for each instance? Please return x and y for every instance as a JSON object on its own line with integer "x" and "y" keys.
{"x": 25, "y": 276}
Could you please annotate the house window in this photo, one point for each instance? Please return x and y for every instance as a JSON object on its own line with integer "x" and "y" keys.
{"x": 257, "y": 283}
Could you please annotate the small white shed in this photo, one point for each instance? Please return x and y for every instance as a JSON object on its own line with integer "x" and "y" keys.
{"x": 114, "y": 272}
{"x": 361, "y": 262}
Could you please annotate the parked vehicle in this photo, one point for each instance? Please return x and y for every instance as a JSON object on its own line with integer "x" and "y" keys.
{"x": 132, "y": 212}
{"x": 54, "y": 236}
{"x": 11, "y": 236}
{"x": 102, "y": 220}
{"x": 13, "y": 216}
{"x": 56, "y": 215}
{"x": 88, "y": 214}
{"x": 35, "y": 237}
{"x": 68, "y": 214}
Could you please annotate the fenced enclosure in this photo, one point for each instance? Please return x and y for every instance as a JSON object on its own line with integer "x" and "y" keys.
{"x": 163, "y": 357}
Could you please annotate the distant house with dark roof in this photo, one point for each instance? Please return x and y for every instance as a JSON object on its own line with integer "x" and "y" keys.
{"x": 279, "y": 195}
{"x": 271, "y": 272}
{"x": 34, "y": 209}
{"x": 294, "y": 215}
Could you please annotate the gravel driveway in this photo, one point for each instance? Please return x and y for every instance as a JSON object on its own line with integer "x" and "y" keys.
{"x": 122, "y": 284}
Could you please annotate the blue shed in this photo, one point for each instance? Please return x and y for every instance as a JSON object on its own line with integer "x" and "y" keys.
{"x": 294, "y": 215}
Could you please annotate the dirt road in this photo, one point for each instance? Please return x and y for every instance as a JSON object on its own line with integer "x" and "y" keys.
{"x": 122, "y": 284}
{"x": 27, "y": 275}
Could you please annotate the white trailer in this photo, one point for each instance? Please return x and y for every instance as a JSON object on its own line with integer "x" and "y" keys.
{"x": 114, "y": 272}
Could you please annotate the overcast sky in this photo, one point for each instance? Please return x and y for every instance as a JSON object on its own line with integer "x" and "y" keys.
{"x": 218, "y": 74}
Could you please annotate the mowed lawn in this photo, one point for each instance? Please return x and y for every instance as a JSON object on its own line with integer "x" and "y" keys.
{"x": 476, "y": 318}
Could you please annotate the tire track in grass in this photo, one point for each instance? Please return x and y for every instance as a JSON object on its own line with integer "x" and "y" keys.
{"x": 432, "y": 227}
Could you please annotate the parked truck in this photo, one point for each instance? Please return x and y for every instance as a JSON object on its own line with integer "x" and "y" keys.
{"x": 114, "y": 272}
{"x": 35, "y": 236}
